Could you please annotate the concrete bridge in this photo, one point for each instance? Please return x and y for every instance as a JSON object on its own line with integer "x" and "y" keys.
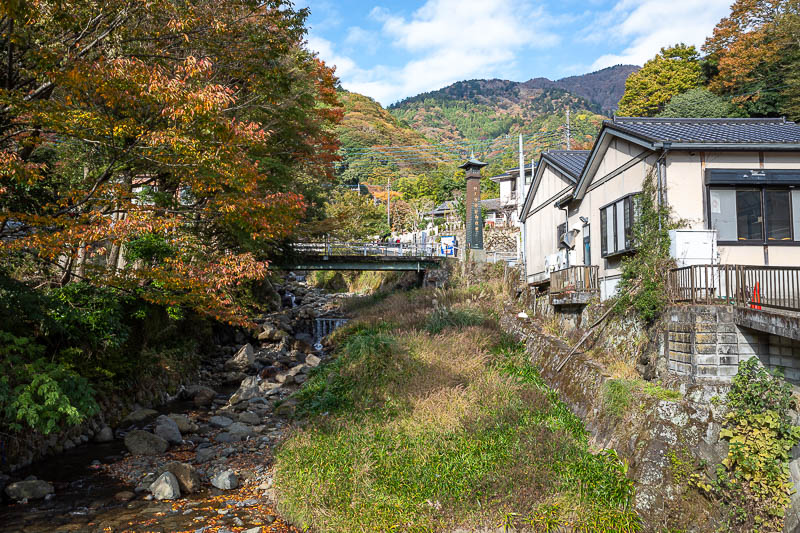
{"x": 364, "y": 256}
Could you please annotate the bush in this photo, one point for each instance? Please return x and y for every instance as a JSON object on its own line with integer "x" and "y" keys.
{"x": 446, "y": 317}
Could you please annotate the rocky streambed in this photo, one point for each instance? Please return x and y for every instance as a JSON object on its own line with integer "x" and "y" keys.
{"x": 200, "y": 463}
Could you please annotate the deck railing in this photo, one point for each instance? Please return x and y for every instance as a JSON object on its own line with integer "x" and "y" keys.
{"x": 755, "y": 287}
{"x": 574, "y": 279}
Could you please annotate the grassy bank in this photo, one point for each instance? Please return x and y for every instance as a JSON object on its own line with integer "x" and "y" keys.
{"x": 430, "y": 417}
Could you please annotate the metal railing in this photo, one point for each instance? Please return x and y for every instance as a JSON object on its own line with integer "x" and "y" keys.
{"x": 367, "y": 249}
{"x": 580, "y": 278}
{"x": 754, "y": 287}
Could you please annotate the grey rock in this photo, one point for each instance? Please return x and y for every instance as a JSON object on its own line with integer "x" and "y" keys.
{"x": 145, "y": 482}
{"x": 242, "y": 360}
{"x": 35, "y": 489}
{"x": 300, "y": 378}
{"x": 106, "y": 434}
{"x": 205, "y": 454}
{"x": 238, "y": 428}
{"x": 247, "y": 390}
{"x": 230, "y": 437}
{"x": 249, "y": 417}
{"x": 313, "y": 360}
{"x": 141, "y": 442}
{"x": 220, "y": 421}
{"x": 166, "y": 487}
{"x": 167, "y": 429}
{"x": 187, "y": 476}
{"x": 185, "y": 424}
{"x": 139, "y": 416}
{"x": 200, "y": 395}
{"x": 225, "y": 480}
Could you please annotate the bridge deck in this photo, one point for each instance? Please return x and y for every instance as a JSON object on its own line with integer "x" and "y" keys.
{"x": 361, "y": 262}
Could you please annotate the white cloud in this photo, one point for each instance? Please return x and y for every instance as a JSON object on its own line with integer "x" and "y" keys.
{"x": 648, "y": 25}
{"x": 449, "y": 40}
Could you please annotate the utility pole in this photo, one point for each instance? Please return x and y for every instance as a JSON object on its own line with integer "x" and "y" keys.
{"x": 389, "y": 204}
{"x": 569, "y": 147}
{"x": 520, "y": 200}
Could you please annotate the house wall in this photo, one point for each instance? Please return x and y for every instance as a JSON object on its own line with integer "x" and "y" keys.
{"x": 540, "y": 227}
{"x": 505, "y": 191}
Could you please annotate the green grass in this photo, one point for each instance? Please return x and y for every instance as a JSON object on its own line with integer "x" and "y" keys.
{"x": 618, "y": 394}
{"x": 412, "y": 432}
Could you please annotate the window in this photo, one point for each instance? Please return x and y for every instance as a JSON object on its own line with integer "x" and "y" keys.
{"x": 561, "y": 231}
{"x": 616, "y": 225}
{"x": 587, "y": 246}
{"x": 753, "y": 214}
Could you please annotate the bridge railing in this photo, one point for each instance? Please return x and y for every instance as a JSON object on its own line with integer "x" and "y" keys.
{"x": 370, "y": 249}
{"x": 755, "y": 287}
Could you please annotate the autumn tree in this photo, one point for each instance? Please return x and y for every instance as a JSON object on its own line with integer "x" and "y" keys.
{"x": 754, "y": 54}
{"x": 159, "y": 147}
{"x": 672, "y": 71}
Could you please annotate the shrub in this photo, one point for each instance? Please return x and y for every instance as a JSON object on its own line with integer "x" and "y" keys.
{"x": 446, "y": 317}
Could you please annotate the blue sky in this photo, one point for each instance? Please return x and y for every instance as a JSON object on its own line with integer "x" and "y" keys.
{"x": 392, "y": 49}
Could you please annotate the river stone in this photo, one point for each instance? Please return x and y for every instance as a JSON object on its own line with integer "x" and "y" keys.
{"x": 106, "y": 434}
{"x": 187, "y": 476}
{"x": 200, "y": 394}
{"x": 185, "y": 424}
{"x": 313, "y": 360}
{"x": 242, "y": 360}
{"x": 227, "y": 437}
{"x": 34, "y": 489}
{"x": 238, "y": 428}
{"x": 300, "y": 378}
{"x": 249, "y": 417}
{"x": 166, "y": 487}
{"x": 225, "y": 480}
{"x": 248, "y": 389}
{"x": 124, "y": 496}
{"x": 141, "y": 442}
{"x": 167, "y": 429}
{"x": 138, "y": 416}
{"x": 205, "y": 454}
{"x": 220, "y": 421}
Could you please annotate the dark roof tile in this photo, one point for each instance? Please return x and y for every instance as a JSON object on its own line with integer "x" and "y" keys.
{"x": 570, "y": 161}
{"x": 709, "y": 130}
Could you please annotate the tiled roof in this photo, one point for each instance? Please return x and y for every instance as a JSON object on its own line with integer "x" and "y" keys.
{"x": 492, "y": 204}
{"x": 571, "y": 161}
{"x": 443, "y": 208}
{"x": 709, "y": 130}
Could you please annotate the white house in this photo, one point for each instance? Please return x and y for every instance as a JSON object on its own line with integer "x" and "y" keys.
{"x": 737, "y": 179}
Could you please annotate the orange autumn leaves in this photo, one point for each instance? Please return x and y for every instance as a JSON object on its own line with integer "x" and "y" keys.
{"x": 186, "y": 127}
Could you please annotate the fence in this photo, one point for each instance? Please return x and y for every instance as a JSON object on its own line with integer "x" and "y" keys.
{"x": 574, "y": 279}
{"x": 739, "y": 285}
{"x": 368, "y": 249}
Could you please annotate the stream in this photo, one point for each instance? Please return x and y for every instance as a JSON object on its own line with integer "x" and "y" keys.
{"x": 226, "y": 434}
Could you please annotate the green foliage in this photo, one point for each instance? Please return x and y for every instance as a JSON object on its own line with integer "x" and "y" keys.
{"x": 672, "y": 71}
{"x": 754, "y": 476}
{"x": 699, "y": 103}
{"x": 149, "y": 247}
{"x": 355, "y": 216}
{"x": 617, "y": 396}
{"x": 447, "y": 317}
{"x": 644, "y": 274}
{"x": 88, "y": 316}
{"x": 40, "y": 394}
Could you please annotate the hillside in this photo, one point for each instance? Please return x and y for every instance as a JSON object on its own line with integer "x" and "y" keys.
{"x": 604, "y": 87}
{"x": 476, "y": 109}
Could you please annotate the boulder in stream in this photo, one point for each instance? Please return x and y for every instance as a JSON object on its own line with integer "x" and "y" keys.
{"x": 167, "y": 429}
{"x": 34, "y": 489}
{"x": 187, "y": 476}
{"x": 166, "y": 487}
{"x": 139, "y": 416}
{"x": 141, "y": 442}
{"x": 225, "y": 480}
{"x": 200, "y": 394}
{"x": 248, "y": 389}
{"x": 106, "y": 434}
{"x": 242, "y": 360}
{"x": 220, "y": 421}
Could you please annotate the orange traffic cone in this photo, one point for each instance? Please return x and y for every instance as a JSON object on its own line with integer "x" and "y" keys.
{"x": 756, "y": 297}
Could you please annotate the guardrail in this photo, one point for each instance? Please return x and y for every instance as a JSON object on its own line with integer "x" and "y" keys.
{"x": 754, "y": 287}
{"x": 581, "y": 278}
{"x": 370, "y": 249}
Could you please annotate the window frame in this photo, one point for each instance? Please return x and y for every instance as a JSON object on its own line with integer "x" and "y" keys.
{"x": 762, "y": 188}
{"x": 627, "y": 229}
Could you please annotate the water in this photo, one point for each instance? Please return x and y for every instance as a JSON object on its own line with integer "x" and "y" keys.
{"x": 325, "y": 326}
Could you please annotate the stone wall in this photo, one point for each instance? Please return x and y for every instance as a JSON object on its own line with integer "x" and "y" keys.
{"x": 705, "y": 343}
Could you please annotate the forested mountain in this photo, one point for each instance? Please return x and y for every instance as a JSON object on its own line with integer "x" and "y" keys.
{"x": 476, "y": 109}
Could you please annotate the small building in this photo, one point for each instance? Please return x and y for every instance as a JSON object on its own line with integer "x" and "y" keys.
{"x": 511, "y": 197}
{"x": 734, "y": 184}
